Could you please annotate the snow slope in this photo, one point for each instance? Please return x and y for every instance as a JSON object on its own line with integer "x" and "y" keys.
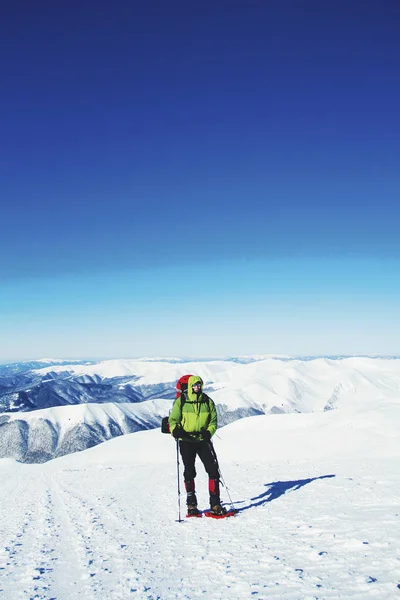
{"x": 149, "y": 371}
{"x": 41, "y": 435}
{"x": 266, "y": 384}
{"x": 318, "y": 500}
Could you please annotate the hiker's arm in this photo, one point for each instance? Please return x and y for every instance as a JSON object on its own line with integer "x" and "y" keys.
{"x": 175, "y": 416}
{"x": 213, "y": 424}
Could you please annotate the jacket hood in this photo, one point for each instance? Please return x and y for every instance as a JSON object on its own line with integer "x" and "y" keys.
{"x": 192, "y": 397}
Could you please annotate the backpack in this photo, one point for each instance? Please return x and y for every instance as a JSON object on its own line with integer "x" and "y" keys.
{"x": 181, "y": 389}
{"x": 182, "y": 385}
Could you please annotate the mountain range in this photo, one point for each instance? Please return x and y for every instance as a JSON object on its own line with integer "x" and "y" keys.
{"x": 52, "y": 407}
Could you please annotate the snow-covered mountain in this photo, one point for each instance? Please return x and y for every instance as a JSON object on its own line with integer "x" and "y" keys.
{"x": 41, "y": 435}
{"x": 63, "y": 407}
{"x": 63, "y": 384}
{"x": 317, "y": 495}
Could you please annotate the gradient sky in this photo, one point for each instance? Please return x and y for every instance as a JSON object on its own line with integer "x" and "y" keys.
{"x": 229, "y": 168}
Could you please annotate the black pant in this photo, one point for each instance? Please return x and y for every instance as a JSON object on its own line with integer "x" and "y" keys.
{"x": 189, "y": 451}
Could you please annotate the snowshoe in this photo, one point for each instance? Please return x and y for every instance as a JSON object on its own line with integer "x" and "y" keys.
{"x": 219, "y": 512}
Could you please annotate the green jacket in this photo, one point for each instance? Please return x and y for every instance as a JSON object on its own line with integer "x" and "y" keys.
{"x": 198, "y": 412}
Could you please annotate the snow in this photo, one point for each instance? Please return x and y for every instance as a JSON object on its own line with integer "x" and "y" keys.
{"x": 98, "y": 412}
{"x": 149, "y": 371}
{"x": 305, "y": 386}
{"x": 317, "y": 494}
{"x": 64, "y": 417}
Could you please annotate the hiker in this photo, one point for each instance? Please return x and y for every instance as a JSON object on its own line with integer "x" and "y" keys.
{"x": 193, "y": 421}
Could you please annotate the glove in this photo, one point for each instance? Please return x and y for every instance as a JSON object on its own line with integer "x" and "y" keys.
{"x": 178, "y": 432}
{"x": 206, "y": 435}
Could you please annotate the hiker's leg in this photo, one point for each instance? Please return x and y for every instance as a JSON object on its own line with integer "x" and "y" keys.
{"x": 206, "y": 456}
{"x": 188, "y": 453}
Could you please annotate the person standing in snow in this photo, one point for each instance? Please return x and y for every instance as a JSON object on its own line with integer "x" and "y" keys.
{"x": 193, "y": 421}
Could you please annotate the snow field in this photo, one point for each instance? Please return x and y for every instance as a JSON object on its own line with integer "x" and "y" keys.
{"x": 103, "y": 524}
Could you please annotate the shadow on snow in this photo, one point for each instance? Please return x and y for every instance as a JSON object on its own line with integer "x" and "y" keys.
{"x": 279, "y": 488}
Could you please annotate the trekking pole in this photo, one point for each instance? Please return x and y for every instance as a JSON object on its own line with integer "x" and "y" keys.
{"x": 220, "y": 474}
{"x": 179, "y": 485}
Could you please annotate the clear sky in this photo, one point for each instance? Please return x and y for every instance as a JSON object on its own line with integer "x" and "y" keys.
{"x": 229, "y": 168}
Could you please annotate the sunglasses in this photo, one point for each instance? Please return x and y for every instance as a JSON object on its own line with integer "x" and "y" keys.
{"x": 196, "y": 385}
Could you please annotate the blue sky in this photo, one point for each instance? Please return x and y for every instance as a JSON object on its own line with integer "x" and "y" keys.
{"x": 230, "y": 168}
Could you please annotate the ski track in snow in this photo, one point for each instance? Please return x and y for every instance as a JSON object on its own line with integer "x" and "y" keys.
{"x": 112, "y": 532}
